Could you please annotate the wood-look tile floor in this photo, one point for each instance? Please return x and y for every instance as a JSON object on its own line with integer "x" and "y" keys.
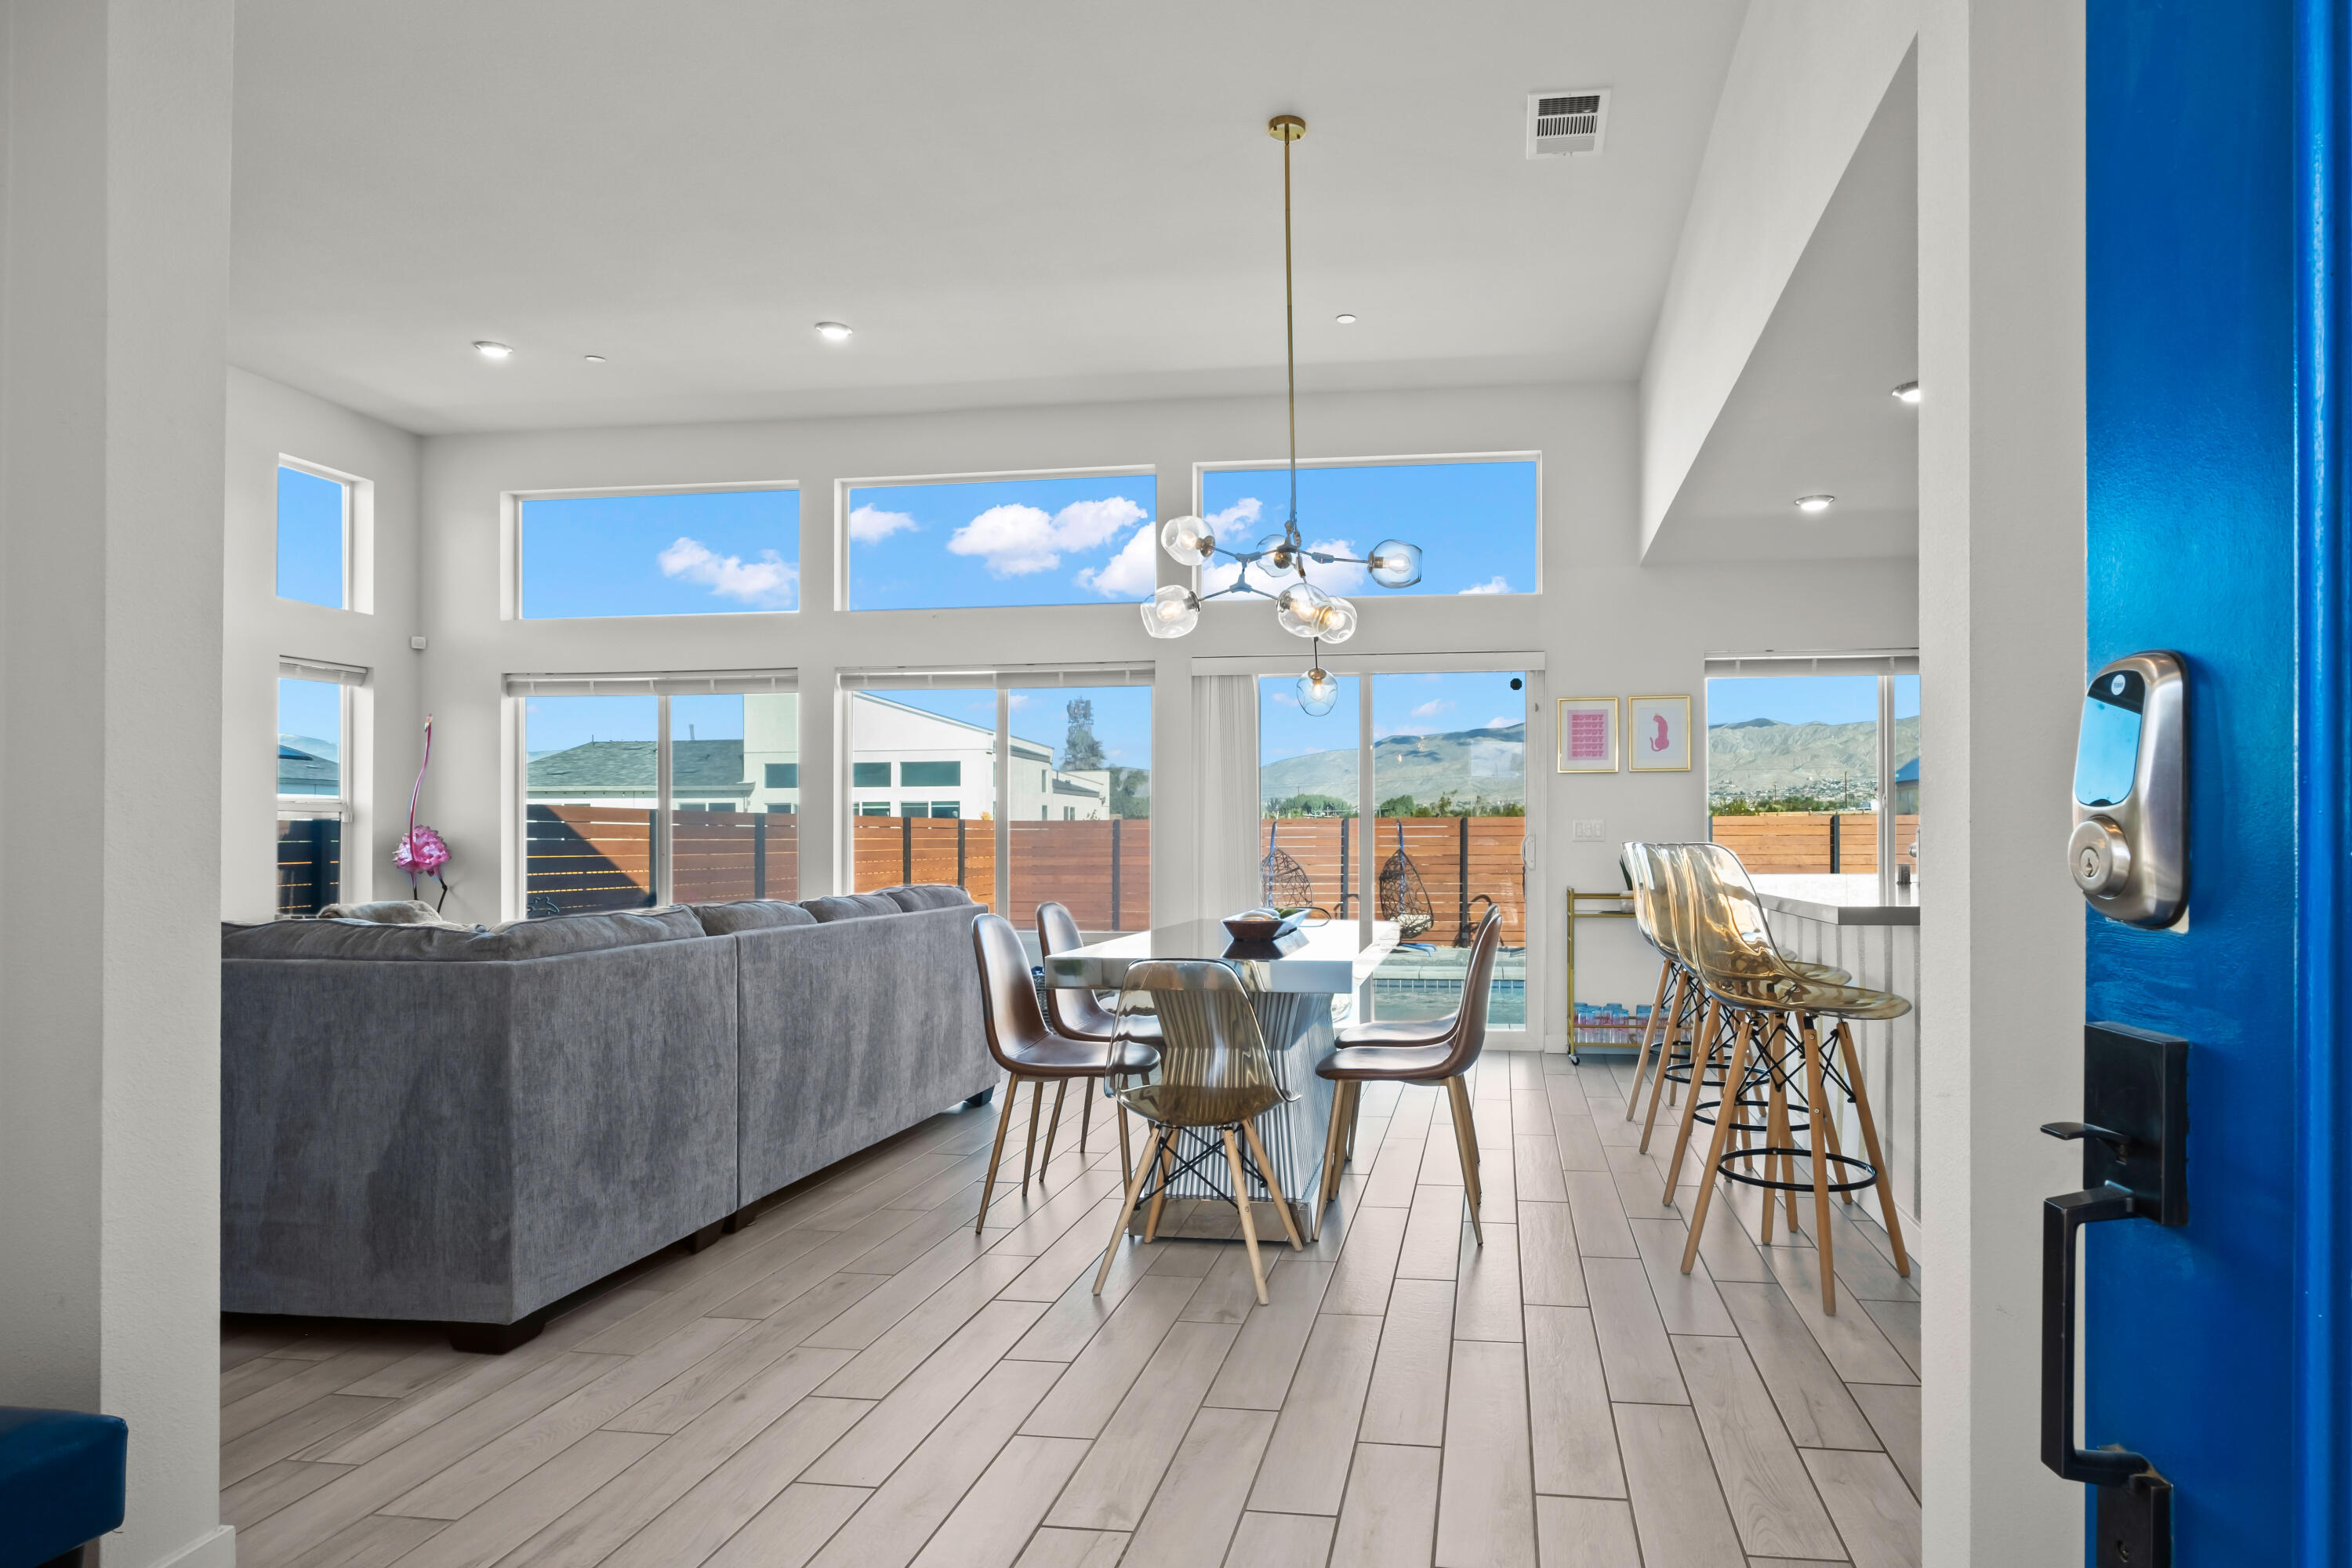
{"x": 855, "y": 1379}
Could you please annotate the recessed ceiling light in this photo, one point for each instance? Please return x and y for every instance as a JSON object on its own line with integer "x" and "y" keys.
{"x": 833, "y": 332}
{"x": 593, "y": 359}
{"x": 1346, "y": 317}
{"x": 1907, "y": 392}
{"x": 489, "y": 349}
{"x": 1814, "y": 503}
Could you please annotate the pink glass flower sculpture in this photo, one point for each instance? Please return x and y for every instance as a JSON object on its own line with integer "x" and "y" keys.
{"x": 421, "y": 852}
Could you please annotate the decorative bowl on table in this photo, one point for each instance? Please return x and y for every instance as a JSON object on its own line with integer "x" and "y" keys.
{"x": 1259, "y": 925}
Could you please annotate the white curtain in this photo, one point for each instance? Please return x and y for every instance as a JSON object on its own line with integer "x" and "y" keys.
{"x": 1224, "y": 757}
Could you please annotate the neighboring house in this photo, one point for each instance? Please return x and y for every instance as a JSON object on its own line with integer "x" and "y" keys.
{"x": 1906, "y": 789}
{"x": 904, "y": 763}
{"x": 307, "y": 767}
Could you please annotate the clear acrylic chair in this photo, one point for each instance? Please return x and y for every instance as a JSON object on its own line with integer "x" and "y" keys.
{"x": 1730, "y": 946}
{"x": 1663, "y": 1033}
{"x": 1208, "y": 1078}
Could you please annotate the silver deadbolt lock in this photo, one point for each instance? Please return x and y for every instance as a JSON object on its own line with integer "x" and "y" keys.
{"x": 2129, "y": 851}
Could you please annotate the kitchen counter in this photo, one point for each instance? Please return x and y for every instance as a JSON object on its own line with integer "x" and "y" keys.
{"x": 1839, "y": 900}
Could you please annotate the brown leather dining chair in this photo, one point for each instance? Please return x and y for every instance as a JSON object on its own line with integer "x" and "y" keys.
{"x": 1079, "y": 1014}
{"x": 1439, "y": 1051}
{"x": 1025, "y": 1048}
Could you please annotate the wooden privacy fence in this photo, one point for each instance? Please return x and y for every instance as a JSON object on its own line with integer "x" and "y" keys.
{"x": 585, "y": 857}
{"x": 1101, "y": 871}
{"x": 1802, "y": 843}
{"x": 1459, "y": 863}
{"x": 309, "y": 865}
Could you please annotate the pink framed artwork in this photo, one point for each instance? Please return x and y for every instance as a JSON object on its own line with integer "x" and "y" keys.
{"x": 1588, "y": 734}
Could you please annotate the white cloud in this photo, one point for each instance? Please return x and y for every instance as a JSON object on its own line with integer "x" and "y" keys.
{"x": 1016, "y": 699}
{"x": 870, "y": 526}
{"x": 769, "y": 583}
{"x": 1016, "y": 540}
{"x": 1495, "y": 585}
{"x": 1132, "y": 574}
{"x": 1432, "y": 708}
{"x": 1505, "y": 722}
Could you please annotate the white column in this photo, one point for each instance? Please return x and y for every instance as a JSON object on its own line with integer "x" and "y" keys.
{"x": 2001, "y": 622}
{"x": 113, "y": 291}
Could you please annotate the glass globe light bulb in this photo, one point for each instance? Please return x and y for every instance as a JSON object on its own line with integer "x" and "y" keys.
{"x": 1274, "y": 554}
{"x": 1299, "y": 609}
{"x": 1187, "y": 540}
{"x": 1395, "y": 563}
{"x": 1319, "y": 691}
{"x": 1171, "y": 611}
{"x": 1337, "y": 620}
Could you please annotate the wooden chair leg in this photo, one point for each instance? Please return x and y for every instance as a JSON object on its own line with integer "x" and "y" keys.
{"x": 1334, "y": 1145}
{"x": 1126, "y": 1165}
{"x": 1241, "y": 1203}
{"x": 1003, "y": 1125}
{"x": 1134, "y": 1190}
{"x": 1355, "y": 1104}
{"x": 1714, "y": 1145}
{"x": 1167, "y": 1173}
{"x": 1822, "y": 1241}
{"x": 1037, "y": 1098}
{"x": 1061, "y": 1086}
{"x": 1649, "y": 1028}
{"x": 1465, "y": 1139}
{"x": 1702, "y": 1055}
{"x": 1837, "y": 1142}
{"x": 1666, "y": 1059}
{"x": 1870, "y": 1147}
{"x": 1274, "y": 1187}
{"x": 1776, "y": 1136}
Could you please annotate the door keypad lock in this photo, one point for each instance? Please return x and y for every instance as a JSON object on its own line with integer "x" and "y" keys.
{"x": 2129, "y": 852}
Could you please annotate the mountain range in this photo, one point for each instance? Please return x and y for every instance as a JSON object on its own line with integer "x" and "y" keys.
{"x": 1464, "y": 764}
{"x": 1762, "y": 757}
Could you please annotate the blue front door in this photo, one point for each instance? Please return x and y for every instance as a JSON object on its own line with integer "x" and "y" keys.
{"x": 2214, "y": 515}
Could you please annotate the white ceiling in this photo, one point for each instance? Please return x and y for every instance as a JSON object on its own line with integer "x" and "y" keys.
{"x": 1812, "y": 412}
{"x": 1054, "y": 201}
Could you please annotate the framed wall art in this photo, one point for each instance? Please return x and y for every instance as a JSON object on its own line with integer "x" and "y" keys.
{"x": 1588, "y": 734}
{"x": 1657, "y": 735}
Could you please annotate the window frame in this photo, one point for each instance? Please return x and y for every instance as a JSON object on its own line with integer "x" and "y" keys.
{"x": 1200, "y": 470}
{"x": 520, "y": 687}
{"x": 342, "y": 807}
{"x": 510, "y": 546}
{"x": 358, "y": 535}
{"x": 842, "y": 544}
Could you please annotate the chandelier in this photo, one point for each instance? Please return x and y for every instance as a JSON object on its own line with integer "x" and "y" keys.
{"x": 1299, "y": 608}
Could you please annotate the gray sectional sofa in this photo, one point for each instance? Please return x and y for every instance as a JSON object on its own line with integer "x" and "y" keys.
{"x": 464, "y": 1126}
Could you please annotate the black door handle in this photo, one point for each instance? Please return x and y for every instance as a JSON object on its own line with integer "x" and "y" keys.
{"x": 2061, "y": 1218}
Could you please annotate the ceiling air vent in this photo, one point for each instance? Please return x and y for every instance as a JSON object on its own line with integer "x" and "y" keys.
{"x": 1562, "y": 123}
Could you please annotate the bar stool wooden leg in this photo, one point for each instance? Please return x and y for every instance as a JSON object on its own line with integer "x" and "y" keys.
{"x": 1776, "y": 1136}
{"x": 1166, "y": 1174}
{"x": 1003, "y": 1125}
{"x": 1334, "y": 1143}
{"x": 1273, "y": 1188}
{"x": 1666, "y": 1059}
{"x": 1821, "y": 1238}
{"x": 1714, "y": 1145}
{"x": 1037, "y": 1098}
{"x": 1837, "y": 1143}
{"x": 1786, "y": 1139}
{"x": 1355, "y": 1092}
{"x": 1870, "y": 1147}
{"x": 1241, "y": 1203}
{"x": 1642, "y": 1056}
{"x": 1061, "y": 1086}
{"x": 1134, "y": 1190}
{"x": 1703, "y": 1051}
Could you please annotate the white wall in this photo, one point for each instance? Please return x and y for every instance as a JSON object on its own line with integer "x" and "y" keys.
{"x": 268, "y": 421}
{"x": 113, "y": 289}
{"x": 1806, "y": 77}
{"x": 2002, "y": 656}
{"x": 1604, "y": 624}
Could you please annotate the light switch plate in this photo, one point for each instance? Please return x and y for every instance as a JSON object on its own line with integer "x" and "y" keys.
{"x": 1587, "y": 828}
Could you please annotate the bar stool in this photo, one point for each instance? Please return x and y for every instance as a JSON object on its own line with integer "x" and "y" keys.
{"x": 1369, "y": 1055}
{"x": 1079, "y": 1014}
{"x": 1209, "y": 1074}
{"x": 1669, "y": 1028}
{"x": 1025, "y": 1048}
{"x": 1732, "y": 952}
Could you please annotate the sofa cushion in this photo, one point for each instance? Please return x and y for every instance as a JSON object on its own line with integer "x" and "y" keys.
{"x": 850, "y": 907}
{"x": 749, "y": 914}
{"x": 928, "y": 896}
{"x": 546, "y": 938}
{"x": 390, "y": 912}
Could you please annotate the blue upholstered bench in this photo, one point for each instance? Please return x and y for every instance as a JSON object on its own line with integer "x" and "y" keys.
{"x": 60, "y": 1484}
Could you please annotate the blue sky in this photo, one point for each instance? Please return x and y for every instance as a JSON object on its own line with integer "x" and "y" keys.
{"x": 707, "y": 552}
{"x": 559, "y": 724}
{"x": 1805, "y": 698}
{"x": 1284, "y": 732}
{"x": 310, "y": 539}
{"x": 1003, "y": 541}
{"x": 1123, "y": 715}
{"x": 1475, "y": 523}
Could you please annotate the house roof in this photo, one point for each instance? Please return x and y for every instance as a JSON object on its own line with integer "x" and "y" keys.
{"x": 703, "y": 767}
